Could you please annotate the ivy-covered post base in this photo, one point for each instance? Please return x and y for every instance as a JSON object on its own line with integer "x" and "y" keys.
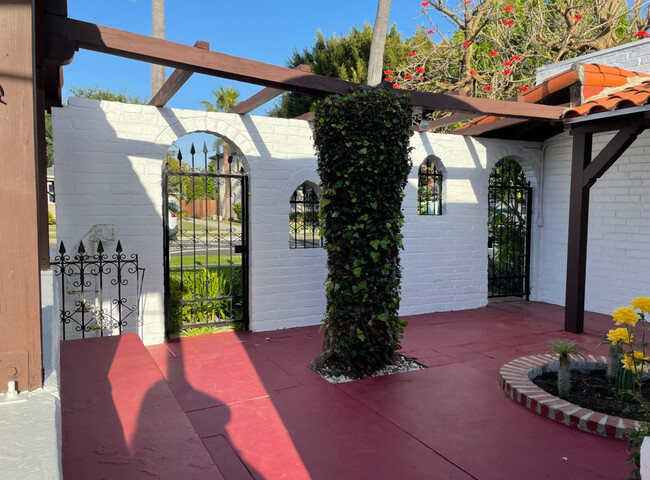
{"x": 362, "y": 140}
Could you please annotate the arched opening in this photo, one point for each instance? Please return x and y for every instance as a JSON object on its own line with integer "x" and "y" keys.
{"x": 430, "y": 182}
{"x": 304, "y": 223}
{"x": 509, "y": 213}
{"x": 205, "y": 236}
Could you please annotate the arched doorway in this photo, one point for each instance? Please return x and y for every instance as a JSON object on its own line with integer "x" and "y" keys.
{"x": 205, "y": 197}
{"x": 509, "y": 213}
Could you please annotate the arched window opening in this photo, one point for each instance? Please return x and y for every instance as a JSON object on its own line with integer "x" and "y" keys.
{"x": 430, "y": 187}
{"x": 304, "y": 226}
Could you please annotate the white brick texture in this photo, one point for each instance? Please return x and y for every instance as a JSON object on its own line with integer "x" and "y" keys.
{"x": 109, "y": 157}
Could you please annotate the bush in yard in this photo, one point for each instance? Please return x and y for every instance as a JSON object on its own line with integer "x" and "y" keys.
{"x": 236, "y": 207}
{"x": 362, "y": 140}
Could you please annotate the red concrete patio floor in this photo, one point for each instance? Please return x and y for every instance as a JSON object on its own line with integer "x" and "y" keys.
{"x": 245, "y": 406}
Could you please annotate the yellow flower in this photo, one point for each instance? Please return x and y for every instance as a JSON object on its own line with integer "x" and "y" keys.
{"x": 642, "y": 303}
{"x": 625, "y": 315}
{"x": 619, "y": 335}
{"x": 629, "y": 360}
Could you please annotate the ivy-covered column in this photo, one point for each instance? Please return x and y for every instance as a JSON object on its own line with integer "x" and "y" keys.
{"x": 362, "y": 140}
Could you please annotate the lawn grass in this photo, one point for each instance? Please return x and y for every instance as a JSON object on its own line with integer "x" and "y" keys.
{"x": 201, "y": 260}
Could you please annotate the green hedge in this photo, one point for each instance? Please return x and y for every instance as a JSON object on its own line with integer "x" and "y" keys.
{"x": 362, "y": 140}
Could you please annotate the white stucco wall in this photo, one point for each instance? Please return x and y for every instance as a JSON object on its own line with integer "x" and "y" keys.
{"x": 634, "y": 56}
{"x": 618, "y": 250}
{"x": 109, "y": 160}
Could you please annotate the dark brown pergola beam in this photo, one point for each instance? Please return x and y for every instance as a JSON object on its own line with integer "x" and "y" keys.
{"x": 448, "y": 120}
{"x": 263, "y": 96}
{"x": 64, "y": 35}
{"x": 175, "y": 81}
{"x": 584, "y": 173}
{"x": 488, "y": 126}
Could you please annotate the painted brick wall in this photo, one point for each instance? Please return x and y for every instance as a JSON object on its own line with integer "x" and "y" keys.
{"x": 633, "y": 56}
{"x": 618, "y": 251}
{"x": 108, "y": 173}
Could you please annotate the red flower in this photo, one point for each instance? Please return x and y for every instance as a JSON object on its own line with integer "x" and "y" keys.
{"x": 507, "y": 63}
{"x": 421, "y": 79}
{"x": 642, "y": 33}
{"x": 388, "y": 72}
{"x": 412, "y": 54}
{"x": 493, "y": 53}
{"x": 420, "y": 70}
{"x": 507, "y": 71}
{"x": 523, "y": 89}
{"x": 389, "y": 78}
{"x": 467, "y": 44}
{"x": 472, "y": 72}
{"x": 408, "y": 77}
{"x": 430, "y": 182}
{"x": 577, "y": 16}
{"x": 487, "y": 88}
{"x": 431, "y": 32}
{"x": 425, "y": 4}
{"x": 509, "y": 8}
{"x": 515, "y": 57}
{"x": 467, "y": 2}
{"x": 395, "y": 85}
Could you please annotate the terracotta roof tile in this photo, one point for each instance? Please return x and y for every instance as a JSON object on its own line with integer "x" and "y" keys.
{"x": 623, "y": 97}
{"x": 603, "y": 88}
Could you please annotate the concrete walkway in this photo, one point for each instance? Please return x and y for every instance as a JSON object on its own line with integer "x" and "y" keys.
{"x": 245, "y": 406}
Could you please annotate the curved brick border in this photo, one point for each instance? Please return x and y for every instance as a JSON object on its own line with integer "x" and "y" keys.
{"x": 514, "y": 378}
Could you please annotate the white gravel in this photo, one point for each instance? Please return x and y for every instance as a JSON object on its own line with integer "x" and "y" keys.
{"x": 402, "y": 365}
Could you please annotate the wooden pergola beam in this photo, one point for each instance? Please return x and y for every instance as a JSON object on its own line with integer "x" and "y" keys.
{"x": 584, "y": 173}
{"x": 175, "y": 81}
{"x": 64, "y": 35}
{"x": 263, "y": 96}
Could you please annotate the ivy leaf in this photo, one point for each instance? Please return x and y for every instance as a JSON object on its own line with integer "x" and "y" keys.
{"x": 360, "y": 335}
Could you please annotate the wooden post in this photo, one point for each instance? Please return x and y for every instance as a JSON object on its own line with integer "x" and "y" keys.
{"x": 574, "y": 312}
{"x": 20, "y": 312}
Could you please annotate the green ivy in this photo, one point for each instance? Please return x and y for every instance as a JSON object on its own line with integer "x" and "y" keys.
{"x": 362, "y": 140}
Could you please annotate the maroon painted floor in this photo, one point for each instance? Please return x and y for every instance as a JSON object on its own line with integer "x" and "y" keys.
{"x": 245, "y": 406}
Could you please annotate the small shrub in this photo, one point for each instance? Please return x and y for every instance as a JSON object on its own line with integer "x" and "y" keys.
{"x": 236, "y": 207}
{"x": 564, "y": 348}
{"x": 50, "y": 219}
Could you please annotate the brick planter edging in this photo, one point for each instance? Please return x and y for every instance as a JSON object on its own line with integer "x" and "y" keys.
{"x": 515, "y": 380}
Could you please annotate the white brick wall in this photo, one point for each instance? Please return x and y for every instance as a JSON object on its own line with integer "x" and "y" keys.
{"x": 618, "y": 251}
{"x": 633, "y": 56}
{"x": 108, "y": 172}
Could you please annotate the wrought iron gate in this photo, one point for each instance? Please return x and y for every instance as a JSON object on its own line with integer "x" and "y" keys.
{"x": 509, "y": 204}
{"x": 206, "y": 274}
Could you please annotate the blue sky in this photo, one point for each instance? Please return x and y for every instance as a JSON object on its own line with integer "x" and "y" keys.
{"x": 264, "y": 31}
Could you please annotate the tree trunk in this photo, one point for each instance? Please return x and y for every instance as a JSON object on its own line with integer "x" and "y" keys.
{"x": 564, "y": 376}
{"x": 226, "y": 203}
{"x": 157, "y": 31}
{"x": 379, "y": 32}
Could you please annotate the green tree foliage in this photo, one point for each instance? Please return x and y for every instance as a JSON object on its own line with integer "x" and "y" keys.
{"x": 362, "y": 140}
{"x": 97, "y": 93}
{"x": 344, "y": 57}
{"x": 225, "y": 99}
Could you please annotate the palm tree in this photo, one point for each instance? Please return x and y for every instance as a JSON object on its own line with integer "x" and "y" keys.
{"x": 157, "y": 31}
{"x": 379, "y": 32}
{"x": 225, "y": 100}
{"x": 564, "y": 348}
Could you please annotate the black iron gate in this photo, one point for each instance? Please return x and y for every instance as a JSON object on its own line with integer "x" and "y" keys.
{"x": 205, "y": 201}
{"x": 509, "y": 203}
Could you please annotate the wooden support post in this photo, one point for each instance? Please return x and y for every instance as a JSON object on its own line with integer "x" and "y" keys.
{"x": 20, "y": 312}
{"x": 574, "y": 312}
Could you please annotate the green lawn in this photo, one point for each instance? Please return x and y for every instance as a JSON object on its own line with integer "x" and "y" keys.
{"x": 201, "y": 260}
